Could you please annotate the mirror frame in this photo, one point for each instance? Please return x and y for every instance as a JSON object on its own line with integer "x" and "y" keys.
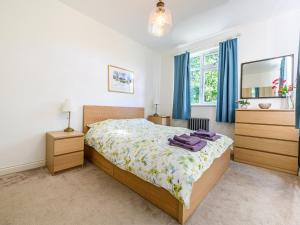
{"x": 261, "y": 60}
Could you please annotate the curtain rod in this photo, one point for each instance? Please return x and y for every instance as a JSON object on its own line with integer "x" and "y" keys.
{"x": 215, "y": 45}
{"x": 232, "y": 37}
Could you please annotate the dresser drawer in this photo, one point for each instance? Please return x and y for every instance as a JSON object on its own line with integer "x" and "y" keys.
{"x": 66, "y": 161}
{"x": 64, "y": 146}
{"x": 267, "y": 131}
{"x": 279, "y": 162}
{"x": 268, "y": 145}
{"x": 286, "y": 118}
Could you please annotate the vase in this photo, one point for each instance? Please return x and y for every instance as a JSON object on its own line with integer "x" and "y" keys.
{"x": 284, "y": 104}
{"x": 244, "y": 106}
{"x": 287, "y": 102}
{"x": 290, "y": 100}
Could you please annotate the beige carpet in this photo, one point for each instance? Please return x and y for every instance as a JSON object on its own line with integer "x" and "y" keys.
{"x": 245, "y": 195}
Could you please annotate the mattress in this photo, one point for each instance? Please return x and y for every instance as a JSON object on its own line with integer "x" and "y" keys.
{"x": 141, "y": 147}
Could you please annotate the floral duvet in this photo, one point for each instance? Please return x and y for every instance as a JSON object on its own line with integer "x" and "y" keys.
{"x": 141, "y": 147}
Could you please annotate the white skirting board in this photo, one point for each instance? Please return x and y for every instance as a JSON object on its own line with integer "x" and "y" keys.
{"x": 22, "y": 167}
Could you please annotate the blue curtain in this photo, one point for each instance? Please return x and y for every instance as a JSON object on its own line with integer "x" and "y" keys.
{"x": 298, "y": 91}
{"x": 256, "y": 92}
{"x": 181, "y": 100}
{"x": 282, "y": 72}
{"x": 227, "y": 82}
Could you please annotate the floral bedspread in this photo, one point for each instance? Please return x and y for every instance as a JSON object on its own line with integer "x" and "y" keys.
{"x": 141, "y": 147}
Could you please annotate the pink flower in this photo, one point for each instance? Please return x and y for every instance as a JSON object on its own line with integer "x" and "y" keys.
{"x": 283, "y": 81}
{"x": 290, "y": 88}
{"x": 275, "y": 81}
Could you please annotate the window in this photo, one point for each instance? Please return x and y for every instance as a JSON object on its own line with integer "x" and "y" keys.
{"x": 204, "y": 77}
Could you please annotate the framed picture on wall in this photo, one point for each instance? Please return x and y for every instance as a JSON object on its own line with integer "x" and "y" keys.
{"x": 120, "y": 80}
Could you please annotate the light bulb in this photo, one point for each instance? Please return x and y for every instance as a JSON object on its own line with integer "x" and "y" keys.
{"x": 160, "y": 20}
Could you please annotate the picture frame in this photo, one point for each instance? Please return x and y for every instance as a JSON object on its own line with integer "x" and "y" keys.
{"x": 120, "y": 80}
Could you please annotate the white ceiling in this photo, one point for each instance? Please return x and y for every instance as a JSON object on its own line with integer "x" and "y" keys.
{"x": 192, "y": 19}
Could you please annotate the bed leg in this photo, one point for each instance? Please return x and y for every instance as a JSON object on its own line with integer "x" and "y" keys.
{"x": 181, "y": 214}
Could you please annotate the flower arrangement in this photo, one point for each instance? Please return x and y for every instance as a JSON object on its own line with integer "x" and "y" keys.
{"x": 281, "y": 87}
{"x": 284, "y": 90}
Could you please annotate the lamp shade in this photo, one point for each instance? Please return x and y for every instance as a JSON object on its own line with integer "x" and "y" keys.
{"x": 67, "y": 106}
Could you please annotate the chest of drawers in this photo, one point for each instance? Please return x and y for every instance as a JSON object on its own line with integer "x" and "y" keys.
{"x": 267, "y": 138}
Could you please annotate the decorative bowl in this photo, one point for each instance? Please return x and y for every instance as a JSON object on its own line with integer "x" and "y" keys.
{"x": 264, "y": 105}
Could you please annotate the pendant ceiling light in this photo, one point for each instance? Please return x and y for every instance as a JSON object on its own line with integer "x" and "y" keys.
{"x": 160, "y": 20}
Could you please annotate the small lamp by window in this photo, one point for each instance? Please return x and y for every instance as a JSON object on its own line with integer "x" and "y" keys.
{"x": 156, "y": 103}
{"x": 67, "y": 107}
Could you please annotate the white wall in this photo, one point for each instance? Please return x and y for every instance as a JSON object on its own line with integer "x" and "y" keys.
{"x": 49, "y": 52}
{"x": 263, "y": 79}
{"x": 274, "y": 37}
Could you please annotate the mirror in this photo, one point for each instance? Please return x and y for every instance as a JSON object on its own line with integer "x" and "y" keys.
{"x": 264, "y": 78}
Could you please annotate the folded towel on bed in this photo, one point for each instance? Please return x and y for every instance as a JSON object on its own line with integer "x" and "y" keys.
{"x": 212, "y": 138}
{"x": 205, "y": 133}
{"x": 186, "y": 139}
{"x": 194, "y": 148}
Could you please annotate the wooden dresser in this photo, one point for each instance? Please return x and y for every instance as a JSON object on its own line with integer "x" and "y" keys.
{"x": 267, "y": 138}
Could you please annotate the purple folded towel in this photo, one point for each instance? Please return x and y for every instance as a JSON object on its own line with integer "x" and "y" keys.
{"x": 213, "y": 138}
{"x": 205, "y": 133}
{"x": 186, "y": 139}
{"x": 193, "y": 148}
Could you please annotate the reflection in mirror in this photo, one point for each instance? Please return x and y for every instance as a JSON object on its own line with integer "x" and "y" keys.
{"x": 264, "y": 78}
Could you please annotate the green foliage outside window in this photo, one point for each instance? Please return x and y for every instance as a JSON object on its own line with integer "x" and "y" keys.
{"x": 211, "y": 86}
{"x": 195, "y": 82}
{"x": 195, "y": 79}
{"x": 211, "y": 59}
{"x": 204, "y": 78}
{"x": 195, "y": 63}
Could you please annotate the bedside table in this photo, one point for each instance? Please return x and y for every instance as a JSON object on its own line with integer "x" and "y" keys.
{"x": 162, "y": 120}
{"x": 64, "y": 150}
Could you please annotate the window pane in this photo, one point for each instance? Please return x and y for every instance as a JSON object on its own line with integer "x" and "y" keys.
{"x": 210, "y": 86}
{"x": 211, "y": 58}
{"x": 195, "y": 84}
{"x": 195, "y": 63}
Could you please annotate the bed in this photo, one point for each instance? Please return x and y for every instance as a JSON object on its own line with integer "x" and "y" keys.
{"x": 161, "y": 197}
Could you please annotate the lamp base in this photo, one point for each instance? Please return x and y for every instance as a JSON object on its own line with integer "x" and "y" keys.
{"x": 155, "y": 114}
{"x": 68, "y": 129}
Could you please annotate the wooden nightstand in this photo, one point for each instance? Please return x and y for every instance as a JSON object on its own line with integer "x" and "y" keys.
{"x": 64, "y": 150}
{"x": 162, "y": 120}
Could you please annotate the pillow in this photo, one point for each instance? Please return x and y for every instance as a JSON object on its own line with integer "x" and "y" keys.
{"x": 129, "y": 122}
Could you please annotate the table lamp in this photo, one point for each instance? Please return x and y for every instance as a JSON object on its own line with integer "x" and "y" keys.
{"x": 156, "y": 103}
{"x": 68, "y": 108}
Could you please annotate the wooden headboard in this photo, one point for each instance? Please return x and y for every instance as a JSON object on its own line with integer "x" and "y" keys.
{"x": 92, "y": 114}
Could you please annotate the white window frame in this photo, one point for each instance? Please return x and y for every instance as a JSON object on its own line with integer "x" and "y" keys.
{"x": 203, "y": 70}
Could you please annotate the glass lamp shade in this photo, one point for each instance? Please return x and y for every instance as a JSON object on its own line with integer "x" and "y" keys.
{"x": 160, "y": 21}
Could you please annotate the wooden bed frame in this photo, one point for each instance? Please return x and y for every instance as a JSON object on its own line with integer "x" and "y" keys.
{"x": 156, "y": 195}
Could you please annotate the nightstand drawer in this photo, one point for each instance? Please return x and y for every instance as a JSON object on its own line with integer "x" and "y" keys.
{"x": 66, "y": 161}
{"x": 162, "y": 120}
{"x": 68, "y": 145}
